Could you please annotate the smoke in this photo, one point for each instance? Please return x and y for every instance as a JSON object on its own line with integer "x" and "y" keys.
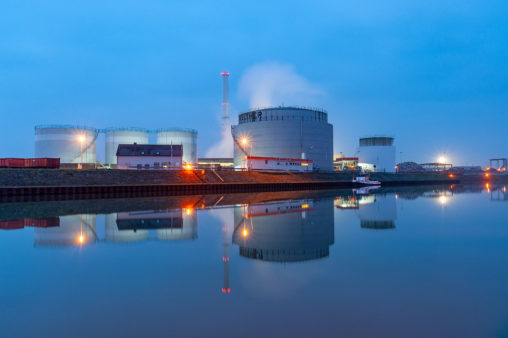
{"x": 268, "y": 84}
{"x": 224, "y": 148}
{"x": 272, "y": 83}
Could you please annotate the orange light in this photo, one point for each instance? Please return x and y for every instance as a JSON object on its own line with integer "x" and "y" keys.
{"x": 305, "y": 206}
{"x": 188, "y": 167}
{"x": 451, "y": 176}
{"x": 81, "y": 239}
{"x": 487, "y": 175}
{"x": 245, "y": 233}
{"x": 188, "y": 211}
{"x": 244, "y": 140}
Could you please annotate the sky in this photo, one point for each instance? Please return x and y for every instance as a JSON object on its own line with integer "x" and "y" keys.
{"x": 432, "y": 74}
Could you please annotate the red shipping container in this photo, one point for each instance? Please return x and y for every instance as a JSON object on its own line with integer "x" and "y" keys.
{"x": 11, "y": 225}
{"x": 42, "y": 222}
{"x": 42, "y": 163}
{"x": 12, "y": 162}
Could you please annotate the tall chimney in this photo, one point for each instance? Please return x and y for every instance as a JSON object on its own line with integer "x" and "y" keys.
{"x": 225, "y": 103}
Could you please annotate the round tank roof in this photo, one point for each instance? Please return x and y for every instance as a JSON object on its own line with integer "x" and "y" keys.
{"x": 125, "y": 129}
{"x": 187, "y": 130}
{"x": 376, "y": 141}
{"x": 64, "y": 126}
{"x": 286, "y": 108}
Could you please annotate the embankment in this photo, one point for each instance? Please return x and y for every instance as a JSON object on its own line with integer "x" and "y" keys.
{"x": 39, "y": 182}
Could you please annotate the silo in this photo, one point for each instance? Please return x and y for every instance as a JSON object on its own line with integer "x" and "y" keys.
{"x": 377, "y": 154}
{"x": 116, "y": 136}
{"x": 188, "y": 138}
{"x": 73, "y": 230}
{"x": 66, "y": 142}
{"x": 285, "y": 132}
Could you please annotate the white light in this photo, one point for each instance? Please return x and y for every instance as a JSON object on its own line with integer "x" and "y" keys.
{"x": 441, "y": 159}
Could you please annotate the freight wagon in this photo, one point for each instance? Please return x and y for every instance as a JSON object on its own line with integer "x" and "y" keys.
{"x": 53, "y": 163}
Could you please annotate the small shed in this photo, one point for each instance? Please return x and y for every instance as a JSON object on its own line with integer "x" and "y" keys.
{"x": 149, "y": 156}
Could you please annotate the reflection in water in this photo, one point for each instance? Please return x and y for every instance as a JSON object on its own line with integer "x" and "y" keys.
{"x": 287, "y": 231}
{"x": 171, "y": 224}
{"x": 377, "y": 211}
{"x": 73, "y": 230}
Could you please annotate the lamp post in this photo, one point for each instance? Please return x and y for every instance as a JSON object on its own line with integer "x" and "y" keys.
{"x": 245, "y": 141}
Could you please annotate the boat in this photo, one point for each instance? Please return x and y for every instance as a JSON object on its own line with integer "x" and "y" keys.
{"x": 365, "y": 180}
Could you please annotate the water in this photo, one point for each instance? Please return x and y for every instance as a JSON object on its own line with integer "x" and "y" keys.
{"x": 428, "y": 262}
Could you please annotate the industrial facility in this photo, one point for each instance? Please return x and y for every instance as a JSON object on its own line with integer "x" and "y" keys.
{"x": 78, "y": 144}
{"x": 285, "y": 132}
{"x": 377, "y": 154}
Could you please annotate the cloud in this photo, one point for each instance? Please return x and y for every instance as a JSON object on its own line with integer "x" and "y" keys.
{"x": 272, "y": 83}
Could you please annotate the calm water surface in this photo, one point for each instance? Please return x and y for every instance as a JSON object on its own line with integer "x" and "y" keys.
{"x": 427, "y": 262}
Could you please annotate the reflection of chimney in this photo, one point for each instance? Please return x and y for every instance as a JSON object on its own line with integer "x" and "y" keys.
{"x": 225, "y": 103}
{"x": 225, "y": 259}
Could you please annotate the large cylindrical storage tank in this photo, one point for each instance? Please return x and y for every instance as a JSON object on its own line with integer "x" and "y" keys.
{"x": 285, "y": 132}
{"x": 116, "y": 136}
{"x": 377, "y": 154}
{"x": 66, "y": 142}
{"x": 188, "y": 138}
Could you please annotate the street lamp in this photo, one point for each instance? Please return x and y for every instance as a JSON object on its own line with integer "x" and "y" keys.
{"x": 245, "y": 141}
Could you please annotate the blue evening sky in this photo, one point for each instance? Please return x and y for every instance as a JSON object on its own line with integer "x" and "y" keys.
{"x": 434, "y": 73}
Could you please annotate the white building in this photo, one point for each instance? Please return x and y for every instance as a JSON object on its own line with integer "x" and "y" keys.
{"x": 377, "y": 154}
{"x": 149, "y": 156}
{"x": 274, "y": 163}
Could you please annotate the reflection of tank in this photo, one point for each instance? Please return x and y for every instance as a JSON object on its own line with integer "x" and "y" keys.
{"x": 377, "y": 211}
{"x": 172, "y": 224}
{"x": 113, "y": 234}
{"x": 73, "y": 230}
{"x": 188, "y": 230}
{"x": 288, "y": 231}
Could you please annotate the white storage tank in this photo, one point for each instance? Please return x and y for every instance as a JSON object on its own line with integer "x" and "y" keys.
{"x": 116, "y": 136}
{"x": 377, "y": 154}
{"x": 188, "y": 138}
{"x": 285, "y": 132}
{"x": 66, "y": 142}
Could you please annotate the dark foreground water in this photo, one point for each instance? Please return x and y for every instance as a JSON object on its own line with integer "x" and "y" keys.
{"x": 424, "y": 262}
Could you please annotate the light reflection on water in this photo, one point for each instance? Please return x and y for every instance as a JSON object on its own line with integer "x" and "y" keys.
{"x": 364, "y": 262}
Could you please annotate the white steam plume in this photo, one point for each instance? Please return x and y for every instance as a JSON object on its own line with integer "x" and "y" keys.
{"x": 272, "y": 83}
{"x": 224, "y": 148}
{"x": 268, "y": 84}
